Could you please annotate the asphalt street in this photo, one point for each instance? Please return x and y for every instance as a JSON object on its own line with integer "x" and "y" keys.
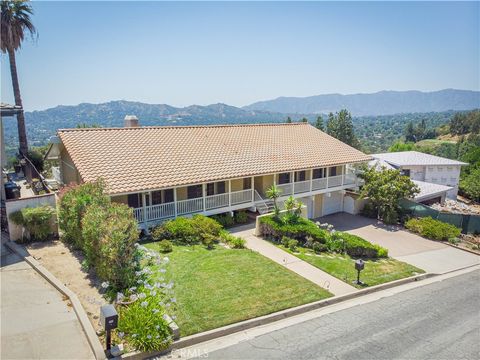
{"x": 435, "y": 321}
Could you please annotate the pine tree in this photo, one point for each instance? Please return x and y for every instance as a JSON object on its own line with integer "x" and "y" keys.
{"x": 289, "y": 120}
{"x": 410, "y": 133}
{"x": 319, "y": 123}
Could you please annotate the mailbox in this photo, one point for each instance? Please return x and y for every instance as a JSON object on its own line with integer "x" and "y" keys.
{"x": 359, "y": 265}
{"x": 108, "y": 317}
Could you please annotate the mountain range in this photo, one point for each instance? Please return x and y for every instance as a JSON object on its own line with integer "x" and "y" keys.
{"x": 41, "y": 125}
{"x": 379, "y": 103}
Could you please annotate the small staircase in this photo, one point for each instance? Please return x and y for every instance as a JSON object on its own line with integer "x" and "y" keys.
{"x": 264, "y": 206}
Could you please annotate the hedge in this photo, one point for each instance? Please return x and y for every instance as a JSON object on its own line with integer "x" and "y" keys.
{"x": 433, "y": 229}
{"x": 37, "y": 222}
{"x": 309, "y": 234}
{"x": 303, "y": 230}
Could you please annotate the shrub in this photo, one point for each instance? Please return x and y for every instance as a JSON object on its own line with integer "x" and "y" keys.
{"x": 110, "y": 233}
{"x": 241, "y": 217}
{"x": 209, "y": 240}
{"x": 165, "y": 246}
{"x": 433, "y": 229}
{"x": 224, "y": 219}
{"x": 302, "y": 230}
{"x": 37, "y": 222}
{"x": 292, "y": 244}
{"x": 319, "y": 247}
{"x": 285, "y": 241}
{"x": 354, "y": 246}
{"x": 234, "y": 242}
{"x": 188, "y": 231}
{"x": 369, "y": 211}
{"x": 72, "y": 206}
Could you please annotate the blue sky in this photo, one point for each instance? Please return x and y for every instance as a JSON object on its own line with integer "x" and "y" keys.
{"x": 200, "y": 53}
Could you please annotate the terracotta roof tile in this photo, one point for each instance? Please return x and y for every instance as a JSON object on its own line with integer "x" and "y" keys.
{"x": 147, "y": 158}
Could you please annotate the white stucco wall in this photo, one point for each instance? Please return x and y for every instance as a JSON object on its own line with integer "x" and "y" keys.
{"x": 444, "y": 175}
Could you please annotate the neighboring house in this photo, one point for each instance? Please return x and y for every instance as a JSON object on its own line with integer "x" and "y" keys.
{"x": 426, "y": 170}
{"x": 165, "y": 172}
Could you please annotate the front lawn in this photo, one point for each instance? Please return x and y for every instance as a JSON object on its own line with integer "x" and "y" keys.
{"x": 222, "y": 286}
{"x": 376, "y": 271}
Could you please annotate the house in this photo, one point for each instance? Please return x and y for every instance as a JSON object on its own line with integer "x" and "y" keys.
{"x": 436, "y": 177}
{"x": 170, "y": 171}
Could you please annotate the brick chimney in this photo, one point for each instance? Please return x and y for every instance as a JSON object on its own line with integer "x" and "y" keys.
{"x": 130, "y": 121}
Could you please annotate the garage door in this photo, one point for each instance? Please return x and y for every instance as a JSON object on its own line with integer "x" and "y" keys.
{"x": 333, "y": 203}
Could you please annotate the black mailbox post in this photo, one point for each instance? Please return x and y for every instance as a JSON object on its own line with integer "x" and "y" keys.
{"x": 109, "y": 321}
{"x": 359, "y": 266}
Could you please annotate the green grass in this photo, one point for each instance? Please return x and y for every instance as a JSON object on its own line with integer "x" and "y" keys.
{"x": 434, "y": 142}
{"x": 223, "y": 286}
{"x": 376, "y": 271}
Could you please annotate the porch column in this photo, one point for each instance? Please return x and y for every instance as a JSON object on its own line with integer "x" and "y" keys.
{"x": 311, "y": 180}
{"x": 343, "y": 174}
{"x": 229, "y": 193}
{"x": 144, "y": 202}
{"x": 292, "y": 180}
{"x": 328, "y": 175}
{"x": 252, "y": 185}
{"x": 175, "y": 200}
{"x": 203, "y": 196}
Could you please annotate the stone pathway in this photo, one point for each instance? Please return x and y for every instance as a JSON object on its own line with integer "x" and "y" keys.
{"x": 37, "y": 323}
{"x": 291, "y": 262}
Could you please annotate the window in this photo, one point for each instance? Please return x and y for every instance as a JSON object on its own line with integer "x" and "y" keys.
{"x": 210, "y": 189}
{"x": 434, "y": 179}
{"x": 333, "y": 171}
{"x": 453, "y": 180}
{"x": 135, "y": 200}
{"x": 284, "y": 178}
{"x": 449, "y": 168}
{"x": 406, "y": 172}
{"x": 156, "y": 197}
{"x": 221, "y": 187}
{"x": 194, "y": 191}
{"x": 300, "y": 175}
{"x": 247, "y": 183}
{"x": 444, "y": 180}
{"x": 168, "y": 196}
{"x": 440, "y": 168}
{"x": 318, "y": 173}
{"x": 430, "y": 168}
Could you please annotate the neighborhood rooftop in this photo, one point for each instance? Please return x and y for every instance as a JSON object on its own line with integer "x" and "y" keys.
{"x": 412, "y": 158}
{"x": 145, "y": 158}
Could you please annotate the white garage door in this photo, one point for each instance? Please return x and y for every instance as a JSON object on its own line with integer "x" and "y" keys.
{"x": 349, "y": 205}
{"x": 333, "y": 203}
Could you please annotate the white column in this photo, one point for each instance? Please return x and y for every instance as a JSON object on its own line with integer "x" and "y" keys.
{"x": 203, "y": 195}
{"x": 229, "y": 193}
{"x": 311, "y": 179}
{"x": 175, "y": 200}
{"x": 252, "y": 185}
{"x": 144, "y": 205}
{"x": 328, "y": 175}
{"x": 292, "y": 175}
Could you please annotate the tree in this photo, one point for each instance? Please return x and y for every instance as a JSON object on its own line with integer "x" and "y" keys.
{"x": 421, "y": 130}
{"x": 401, "y": 146}
{"x": 319, "y": 123}
{"x": 15, "y": 24}
{"x": 304, "y": 119}
{"x": 273, "y": 193}
{"x": 340, "y": 126}
{"x": 410, "y": 135}
{"x": 384, "y": 189}
{"x": 289, "y": 120}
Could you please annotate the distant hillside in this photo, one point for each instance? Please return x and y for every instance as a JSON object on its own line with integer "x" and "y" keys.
{"x": 41, "y": 125}
{"x": 380, "y": 103}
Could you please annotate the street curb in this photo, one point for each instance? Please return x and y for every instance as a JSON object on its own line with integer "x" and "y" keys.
{"x": 87, "y": 327}
{"x": 460, "y": 248}
{"x": 266, "y": 319}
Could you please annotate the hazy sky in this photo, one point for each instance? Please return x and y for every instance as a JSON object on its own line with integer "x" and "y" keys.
{"x": 237, "y": 53}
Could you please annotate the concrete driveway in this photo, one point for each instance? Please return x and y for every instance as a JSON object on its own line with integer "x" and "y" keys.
{"x": 431, "y": 256}
{"x": 37, "y": 323}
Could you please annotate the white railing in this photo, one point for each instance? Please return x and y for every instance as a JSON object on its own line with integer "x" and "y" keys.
{"x": 189, "y": 206}
{"x": 216, "y": 201}
{"x": 349, "y": 179}
{"x": 334, "y": 181}
{"x": 319, "y": 184}
{"x": 285, "y": 189}
{"x": 138, "y": 213}
{"x": 301, "y": 186}
{"x": 160, "y": 211}
{"x": 242, "y": 196}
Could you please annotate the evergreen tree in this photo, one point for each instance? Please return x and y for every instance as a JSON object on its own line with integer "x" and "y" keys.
{"x": 319, "y": 123}
{"x": 340, "y": 126}
{"x": 289, "y": 120}
{"x": 304, "y": 119}
{"x": 410, "y": 133}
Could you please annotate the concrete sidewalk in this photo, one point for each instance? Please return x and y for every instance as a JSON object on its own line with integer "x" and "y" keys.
{"x": 291, "y": 262}
{"x": 37, "y": 323}
{"x": 431, "y": 256}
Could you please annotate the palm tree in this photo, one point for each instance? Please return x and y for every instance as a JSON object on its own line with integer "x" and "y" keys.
{"x": 15, "y": 24}
{"x": 273, "y": 193}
